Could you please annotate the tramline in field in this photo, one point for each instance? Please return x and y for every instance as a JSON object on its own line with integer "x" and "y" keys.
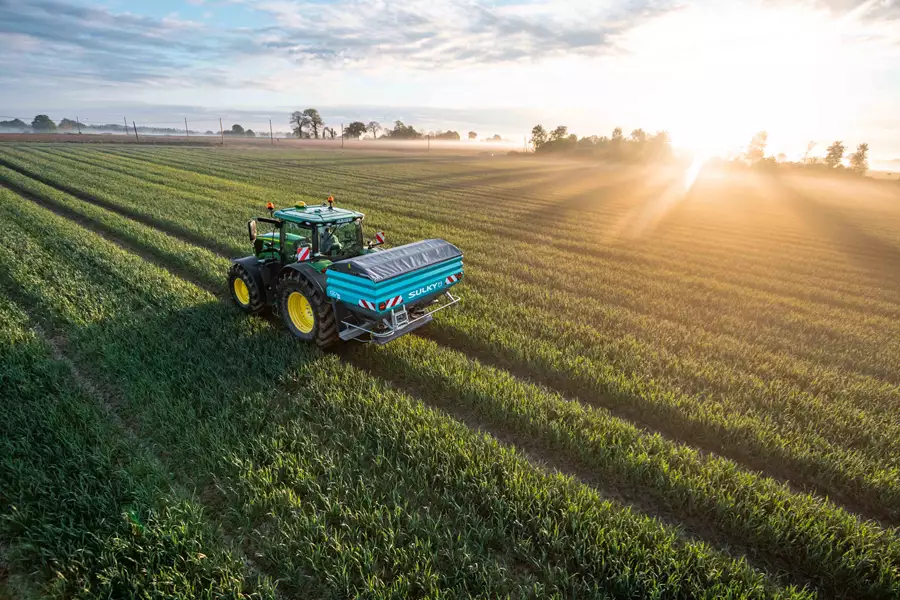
{"x": 328, "y": 285}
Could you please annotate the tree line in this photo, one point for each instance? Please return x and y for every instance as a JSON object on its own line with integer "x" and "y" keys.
{"x": 308, "y": 124}
{"x": 639, "y": 146}
{"x": 833, "y": 161}
{"x": 44, "y": 124}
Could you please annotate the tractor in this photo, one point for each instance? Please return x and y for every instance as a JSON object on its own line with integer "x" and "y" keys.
{"x": 314, "y": 269}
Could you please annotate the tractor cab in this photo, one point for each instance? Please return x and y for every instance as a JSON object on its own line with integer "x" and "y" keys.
{"x": 323, "y": 234}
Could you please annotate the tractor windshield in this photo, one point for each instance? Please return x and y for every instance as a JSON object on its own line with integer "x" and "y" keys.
{"x": 340, "y": 240}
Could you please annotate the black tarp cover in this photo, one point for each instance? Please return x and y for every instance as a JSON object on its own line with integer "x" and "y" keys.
{"x": 386, "y": 264}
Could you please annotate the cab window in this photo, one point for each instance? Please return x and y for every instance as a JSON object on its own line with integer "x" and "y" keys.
{"x": 339, "y": 240}
{"x": 296, "y": 236}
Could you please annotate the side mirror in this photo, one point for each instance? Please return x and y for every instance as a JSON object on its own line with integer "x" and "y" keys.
{"x": 251, "y": 229}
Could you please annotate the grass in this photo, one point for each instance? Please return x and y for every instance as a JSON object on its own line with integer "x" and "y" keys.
{"x": 753, "y": 328}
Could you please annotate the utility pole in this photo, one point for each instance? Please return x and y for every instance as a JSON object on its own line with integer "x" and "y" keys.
{"x": 126, "y": 124}
{"x": 78, "y": 123}
{"x": 135, "y": 132}
{"x": 187, "y": 133}
{"x": 271, "y": 135}
{"x": 222, "y": 131}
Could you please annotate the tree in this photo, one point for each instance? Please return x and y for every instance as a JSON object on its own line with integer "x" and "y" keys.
{"x": 374, "y": 127}
{"x": 14, "y": 124}
{"x": 639, "y": 136}
{"x": 330, "y": 132}
{"x": 756, "y": 149}
{"x": 447, "y": 135}
{"x": 835, "y": 154}
{"x": 403, "y": 132}
{"x": 538, "y": 136}
{"x": 859, "y": 160}
{"x": 495, "y": 138}
{"x": 67, "y": 125}
{"x": 249, "y": 133}
{"x": 314, "y": 121}
{"x": 43, "y": 123}
{"x": 236, "y": 130}
{"x": 299, "y": 122}
{"x": 560, "y": 133}
{"x": 473, "y": 135}
{"x": 355, "y": 129}
{"x": 617, "y": 136}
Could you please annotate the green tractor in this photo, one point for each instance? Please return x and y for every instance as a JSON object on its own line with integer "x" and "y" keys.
{"x": 314, "y": 268}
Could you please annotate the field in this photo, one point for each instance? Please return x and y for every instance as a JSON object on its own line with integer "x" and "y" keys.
{"x": 654, "y": 386}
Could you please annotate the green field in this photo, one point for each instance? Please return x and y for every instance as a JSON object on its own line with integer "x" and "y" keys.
{"x": 652, "y": 387}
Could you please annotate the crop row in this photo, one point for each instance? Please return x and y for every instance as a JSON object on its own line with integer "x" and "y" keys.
{"x": 745, "y": 430}
{"x": 168, "y": 176}
{"x": 83, "y": 503}
{"x": 822, "y": 544}
{"x": 612, "y": 280}
{"x": 704, "y": 236}
{"x": 624, "y": 260}
{"x": 337, "y": 483}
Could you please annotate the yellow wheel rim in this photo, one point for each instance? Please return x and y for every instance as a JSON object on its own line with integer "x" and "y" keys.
{"x": 300, "y": 312}
{"x": 241, "y": 292}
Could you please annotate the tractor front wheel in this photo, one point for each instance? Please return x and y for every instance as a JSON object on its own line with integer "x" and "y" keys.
{"x": 305, "y": 312}
{"x": 244, "y": 291}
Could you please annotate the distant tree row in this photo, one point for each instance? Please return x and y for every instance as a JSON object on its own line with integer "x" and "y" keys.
{"x": 44, "y": 124}
{"x": 238, "y": 131}
{"x": 639, "y": 146}
{"x": 833, "y": 160}
{"x": 308, "y": 124}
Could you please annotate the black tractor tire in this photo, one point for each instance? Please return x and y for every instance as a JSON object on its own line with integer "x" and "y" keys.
{"x": 251, "y": 303}
{"x": 324, "y": 331}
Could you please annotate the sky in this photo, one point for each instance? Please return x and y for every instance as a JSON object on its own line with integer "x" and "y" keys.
{"x": 710, "y": 72}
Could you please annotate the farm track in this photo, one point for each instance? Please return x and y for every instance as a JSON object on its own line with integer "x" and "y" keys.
{"x": 672, "y": 421}
{"x": 692, "y": 528}
{"x": 573, "y": 453}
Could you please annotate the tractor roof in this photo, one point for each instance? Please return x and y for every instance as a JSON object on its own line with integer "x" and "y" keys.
{"x": 316, "y": 214}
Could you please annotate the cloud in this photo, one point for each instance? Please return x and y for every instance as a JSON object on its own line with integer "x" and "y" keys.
{"x": 72, "y": 42}
{"x": 444, "y": 33}
{"x": 55, "y": 39}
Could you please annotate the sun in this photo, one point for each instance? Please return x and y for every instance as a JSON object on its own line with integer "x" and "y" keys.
{"x": 721, "y": 73}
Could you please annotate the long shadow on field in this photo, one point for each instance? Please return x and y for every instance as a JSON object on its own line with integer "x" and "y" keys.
{"x": 210, "y": 390}
{"x": 170, "y": 228}
{"x": 869, "y": 252}
{"x": 480, "y": 412}
{"x": 184, "y": 380}
{"x": 148, "y": 252}
{"x": 853, "y": 495}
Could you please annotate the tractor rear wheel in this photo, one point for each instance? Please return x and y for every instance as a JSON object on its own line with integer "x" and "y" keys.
{"x": 306, "y": 312}
{"x": 244, "y": 291}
